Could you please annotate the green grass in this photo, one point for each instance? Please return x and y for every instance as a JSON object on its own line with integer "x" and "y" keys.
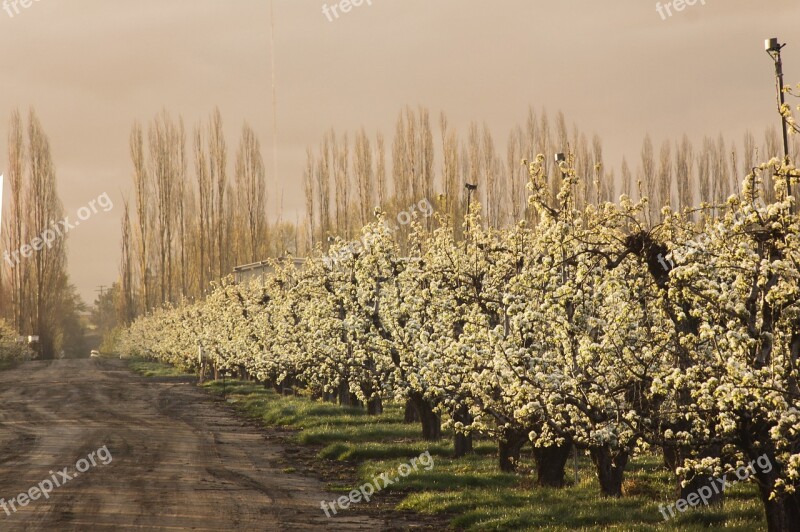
{"x": 471, "y": 490}
{"x": 149, "y": 368}
{"x": 504, "y": 503}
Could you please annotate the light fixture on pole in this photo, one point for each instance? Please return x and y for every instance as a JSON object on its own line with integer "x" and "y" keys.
{"x": 773, "y": 48}
{"x": 560, "y": 158}
{"x": 470, "y": 187}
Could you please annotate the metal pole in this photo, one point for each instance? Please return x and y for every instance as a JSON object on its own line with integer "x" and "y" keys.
{"x": 782, "y": 100}
{"x": 469, "y": 202}
{"x": 470, "y": 187}
{"x": 774, "y": 50}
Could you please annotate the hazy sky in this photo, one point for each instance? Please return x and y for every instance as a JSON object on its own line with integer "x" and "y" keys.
{"x": 91, "y": 68}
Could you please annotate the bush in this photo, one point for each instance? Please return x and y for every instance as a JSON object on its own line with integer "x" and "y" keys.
{"x": 10, "y": 349}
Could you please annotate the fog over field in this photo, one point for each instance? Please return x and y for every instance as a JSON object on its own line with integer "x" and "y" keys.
{"x": 400, "y": 265}
{"x": 619, "y": 69}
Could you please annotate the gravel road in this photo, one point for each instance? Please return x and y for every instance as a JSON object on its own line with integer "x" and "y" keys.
{"x": 175, "y": 460}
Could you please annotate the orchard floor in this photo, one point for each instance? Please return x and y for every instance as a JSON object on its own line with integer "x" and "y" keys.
{"x": 179, "y": 459}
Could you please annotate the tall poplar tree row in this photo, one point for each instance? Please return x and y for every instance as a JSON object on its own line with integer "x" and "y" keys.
{"x": 38, "y": 298}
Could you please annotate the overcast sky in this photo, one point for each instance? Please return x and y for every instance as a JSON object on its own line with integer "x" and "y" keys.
{"x": 617, "y": 68}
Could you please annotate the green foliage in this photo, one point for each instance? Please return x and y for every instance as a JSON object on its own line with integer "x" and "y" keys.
{"x": 10, "y": 349}
{"x": 110, "y": 340}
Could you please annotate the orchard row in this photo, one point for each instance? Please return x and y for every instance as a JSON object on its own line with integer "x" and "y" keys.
{"x": 588, "y": 328}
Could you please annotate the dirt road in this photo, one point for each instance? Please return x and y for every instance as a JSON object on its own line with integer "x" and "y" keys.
{"x": 175, "y": 460}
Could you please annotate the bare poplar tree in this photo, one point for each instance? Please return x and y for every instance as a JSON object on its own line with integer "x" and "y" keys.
{"x": 15, "y": 177}
{"x": 609, "y": 185}
{"x": 380, "y": 170}
{"x": 491, "y": 179}
{"x": 772, "y": 142}
{"x": 218, "y": 163}
{"x": 533, "y": 142}
{"x": 342, "y": 182}
{"x": 684, "y": 157}
{"x": 308, "y": 184}
{"x": 627, "y": 179}
{"x": 125, "y": 305}
{"x": 323, "y": 188}
{"x": 412, "y": 164}
{"x": 703, "y": 166}
{"x": 549, "y": 148}
{"x": 178, "y": 146}
{"x": 401, "y": 173}
{"x": 649, "y": 174}
{"x": 561, "y": 131}
{"x": 665, "y": 175}
{"x": 721, "y": 171}
{"x": 162, "y": 136}
{"x": 583, "y": 166}
{"x": 603, "y": 184}
{"x": 251, "y": 191}
{"x": 474, "y": 166}
{"x": 142, "y": 188}
{"x": 50, "y": 262}
{"x": 450, "y": 169}
{"x": 363, "y": 175}
{"x": 514, "y": 150}
{"x": 205, "y": 200}
{"x": 749, "y": 151}
{"x": 426, "y": 154}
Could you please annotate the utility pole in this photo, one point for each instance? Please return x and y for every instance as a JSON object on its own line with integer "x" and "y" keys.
{"x": 100, "y": 316}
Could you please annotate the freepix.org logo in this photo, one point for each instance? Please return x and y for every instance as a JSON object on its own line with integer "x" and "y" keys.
{"x": 8, "y": 4}
{"x": 54, "y": 230}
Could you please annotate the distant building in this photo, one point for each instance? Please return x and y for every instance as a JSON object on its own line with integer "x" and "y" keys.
{"x": 248, "y": 272}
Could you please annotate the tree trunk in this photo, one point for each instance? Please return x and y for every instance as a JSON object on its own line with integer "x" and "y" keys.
{"x": 355, "y": 402}
{"x": 783, "y": 513}
{"x": 375, "y": 406}
{"x": 670, "y": 456}
{"x": 610, "y": 470}
{"x": 698, "y": 482}
{"x": 509, "y": 448}
{"x": 344, "y": 394}
{"x": 462, "y": 443}
{"x": 550, "y": 464}
{"x": 431, "y": 422}
{"x": 411, "y": 415}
